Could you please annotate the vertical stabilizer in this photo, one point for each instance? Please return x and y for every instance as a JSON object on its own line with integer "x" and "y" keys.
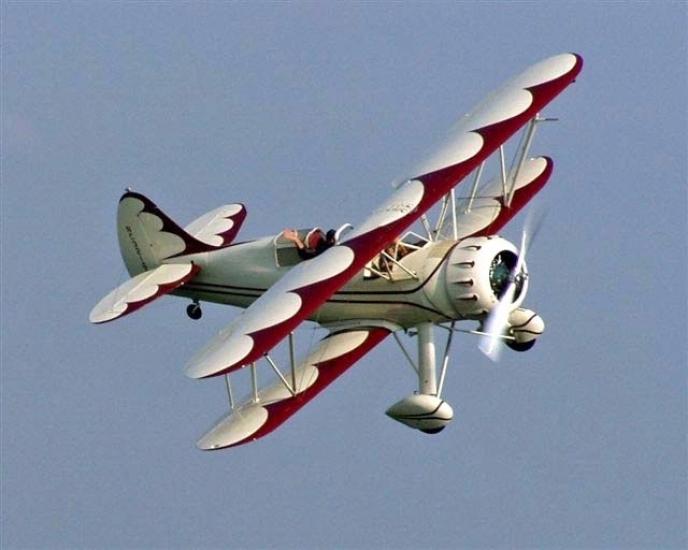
{"x": 147, "y": 236}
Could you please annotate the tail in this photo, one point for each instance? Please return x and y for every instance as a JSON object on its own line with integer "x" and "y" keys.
{"x": 147, "y": 236}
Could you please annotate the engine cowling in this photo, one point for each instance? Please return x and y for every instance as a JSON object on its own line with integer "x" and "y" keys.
{"x": 474, "y": 276}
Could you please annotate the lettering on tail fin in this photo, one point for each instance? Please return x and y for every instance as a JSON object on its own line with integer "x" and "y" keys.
{"x": 135, "y": 245}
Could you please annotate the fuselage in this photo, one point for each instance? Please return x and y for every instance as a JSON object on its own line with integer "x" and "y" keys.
{"x": 439, "y": 281}
{"x": 241, "y": 273}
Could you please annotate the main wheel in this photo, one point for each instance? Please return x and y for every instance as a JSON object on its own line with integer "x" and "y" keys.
{"x": 194, "y": 311}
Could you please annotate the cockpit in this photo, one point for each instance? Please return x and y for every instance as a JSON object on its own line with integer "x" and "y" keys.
{"x": 296, "y": 245}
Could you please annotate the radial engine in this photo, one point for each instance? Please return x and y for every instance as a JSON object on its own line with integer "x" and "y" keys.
{"x": 474, "y": 277}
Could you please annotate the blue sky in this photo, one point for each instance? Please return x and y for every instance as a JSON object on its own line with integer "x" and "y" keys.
{"x": 305, "y": 112}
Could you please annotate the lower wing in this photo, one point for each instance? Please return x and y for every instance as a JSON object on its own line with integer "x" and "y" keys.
{"x": 254, "y": 419}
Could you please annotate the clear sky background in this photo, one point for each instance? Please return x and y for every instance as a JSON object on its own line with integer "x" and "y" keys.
{"x": 305, "y": 112}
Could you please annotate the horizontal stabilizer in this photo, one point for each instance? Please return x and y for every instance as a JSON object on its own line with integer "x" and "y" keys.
{"x": 142, "y": 289}
{"x": 255, "y": 419}
{"x": 218, "y": 227}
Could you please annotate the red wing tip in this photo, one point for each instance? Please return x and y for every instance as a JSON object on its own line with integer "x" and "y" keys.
{"x": 579, "y": 63}
{"x": 549, "y": 168}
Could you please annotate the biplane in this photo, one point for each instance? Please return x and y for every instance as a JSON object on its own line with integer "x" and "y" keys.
{"x": 364, "y": 283}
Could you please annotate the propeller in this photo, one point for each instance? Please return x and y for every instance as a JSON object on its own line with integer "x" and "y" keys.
{"x": 497, "y": 323}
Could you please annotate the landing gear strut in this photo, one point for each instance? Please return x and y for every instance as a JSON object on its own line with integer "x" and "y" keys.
{"x": 425, "y": 410}
{"x": 194, "y": 311}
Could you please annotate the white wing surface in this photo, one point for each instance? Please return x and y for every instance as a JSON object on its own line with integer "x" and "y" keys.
{"x": 141, "y": 290}
{"x": 254, "y": 419}
{"x": 218, "y": 227}
{"x": 486, "y": 214}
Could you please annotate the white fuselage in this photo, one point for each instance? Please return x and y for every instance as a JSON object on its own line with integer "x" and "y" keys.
{"x": 241, "y": 273}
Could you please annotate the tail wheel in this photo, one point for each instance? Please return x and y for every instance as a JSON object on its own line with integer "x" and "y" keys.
{"x": 194, "y": 311}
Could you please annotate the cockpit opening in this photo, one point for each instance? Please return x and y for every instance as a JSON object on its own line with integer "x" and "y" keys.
{"x": 293, "y": 246}
{"x": 315, "y": 242}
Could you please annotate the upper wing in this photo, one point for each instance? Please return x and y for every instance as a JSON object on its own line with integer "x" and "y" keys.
{"x": 308, "y": 285}
{"x": 254, "y": 419}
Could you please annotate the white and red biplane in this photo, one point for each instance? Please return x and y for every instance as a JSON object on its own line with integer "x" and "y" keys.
{"x": 361, "y": 284}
